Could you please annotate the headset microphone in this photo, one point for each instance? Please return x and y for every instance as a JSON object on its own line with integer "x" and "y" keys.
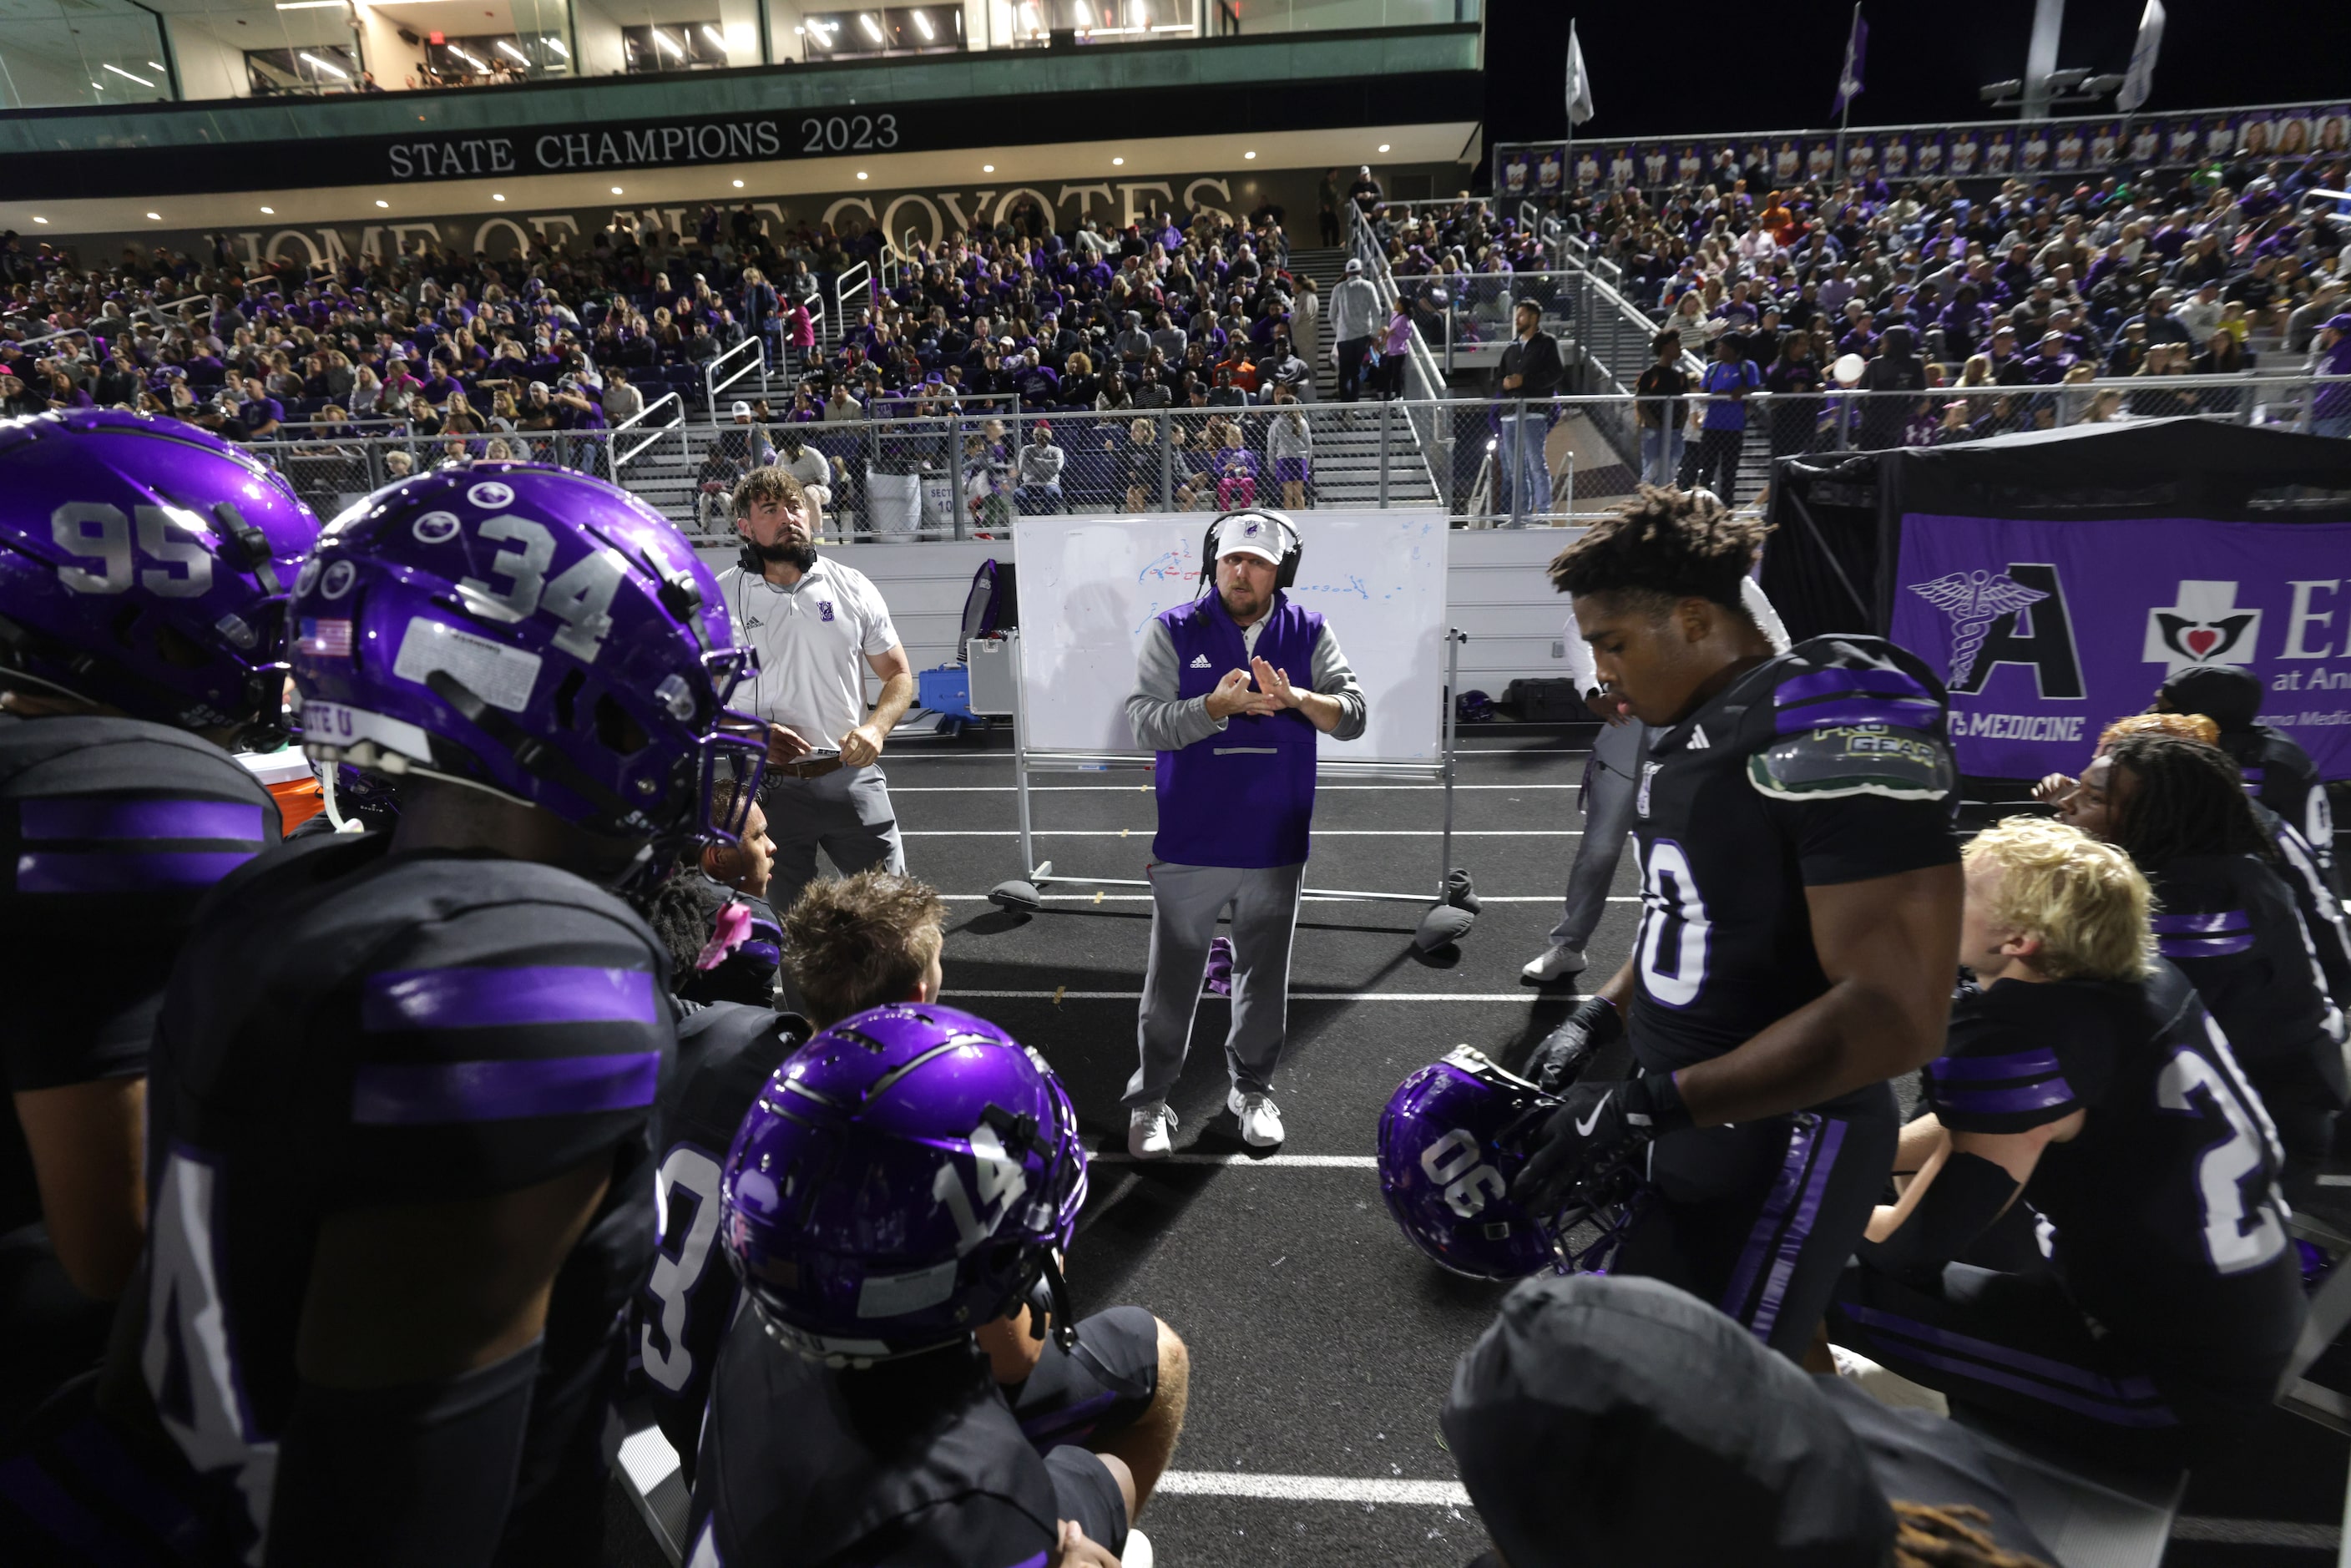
{"x": 1293, "y": 546}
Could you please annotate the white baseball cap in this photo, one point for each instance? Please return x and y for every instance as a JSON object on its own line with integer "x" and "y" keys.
{"x": 1249, "y": 536}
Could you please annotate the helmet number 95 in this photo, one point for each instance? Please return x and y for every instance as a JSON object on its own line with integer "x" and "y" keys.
{"x": 98, "y": 532}
{"x": 1469, "y": 1184}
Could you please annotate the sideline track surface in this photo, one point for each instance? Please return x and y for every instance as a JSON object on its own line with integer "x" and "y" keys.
{"x": 1322, "y": 1345}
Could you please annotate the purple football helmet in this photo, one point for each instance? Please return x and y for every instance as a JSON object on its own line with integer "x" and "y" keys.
{"x": 533, "y": 631}
{"x": 907, "y": 1176}
{"x": 1448, "y": 1154}
{"x": 145, "y": 565}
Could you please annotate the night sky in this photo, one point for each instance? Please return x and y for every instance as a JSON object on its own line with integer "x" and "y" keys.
{"x": 1763, "y": 67}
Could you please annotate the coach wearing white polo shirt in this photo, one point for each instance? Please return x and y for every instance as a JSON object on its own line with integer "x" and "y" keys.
{"x": 819, "y": 626}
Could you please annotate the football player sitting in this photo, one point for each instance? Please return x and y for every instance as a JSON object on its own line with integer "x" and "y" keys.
{"x": 2086, "y": 1080}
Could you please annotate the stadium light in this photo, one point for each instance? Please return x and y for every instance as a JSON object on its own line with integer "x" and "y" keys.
{"x": 271, "y": 211}
{"x": 923, "y": 25}
{"x": 1247, "y": 155}
{"x": 1384, "y": 146}
{"x": 717, "y": 42}
{"x": 512, "y": 53}
{"x": 497, "y": 196}
{"x": 616, "y": 190}
{"x": 157, "y": 216}
{"x": 335, "y": 71}
{"x": 739, "y": 184}
{"x": 872, "y": 29}
{"x": 557, "y": 45}
{"x": 1992, "y": 91}
{"x": 40, "y": 220}
{"x": 987, "y": 168}
{"x": 1117, "y": 163}
{"x": 118, "y": 70}
{"x": 382, "y": 203}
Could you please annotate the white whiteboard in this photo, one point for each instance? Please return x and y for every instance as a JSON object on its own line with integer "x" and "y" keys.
{"x": 1088, "y": 586}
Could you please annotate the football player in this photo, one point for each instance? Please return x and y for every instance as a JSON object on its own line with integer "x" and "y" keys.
{"x": 1591, "y": 1414}
{"x": 403, "y": 1081}
{"x": 2227, "y": 920}
{"x": 2084, "y": 1078}
{"x": 725, "y": 943}
{"x": 910, "y": 1174}
{"x": 1801, "y": 889}
{"x": 143, "y": 572}
{"x": 857, "y": 943}
{"x": 2296, "y": 861}
{"x": 2275, "y": 769}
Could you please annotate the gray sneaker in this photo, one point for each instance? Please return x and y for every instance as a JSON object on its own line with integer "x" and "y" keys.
{"x": 1556, "y": 964}
{"x": 1151, "y": 1131}
{"x": 1260, "y": 1120}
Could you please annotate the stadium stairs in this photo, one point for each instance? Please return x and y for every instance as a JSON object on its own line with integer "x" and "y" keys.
{"x": 1347, "y": 456}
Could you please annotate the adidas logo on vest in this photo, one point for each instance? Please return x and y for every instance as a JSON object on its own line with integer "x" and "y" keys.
{"x": 1199, "y": 660}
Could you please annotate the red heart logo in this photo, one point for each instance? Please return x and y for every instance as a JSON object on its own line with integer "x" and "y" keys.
{"x": 2201, "y": 641}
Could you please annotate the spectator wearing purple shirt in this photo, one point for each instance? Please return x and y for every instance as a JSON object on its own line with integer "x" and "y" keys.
{"x": 2049, "y": 363}
{"x": 259, "y": 415}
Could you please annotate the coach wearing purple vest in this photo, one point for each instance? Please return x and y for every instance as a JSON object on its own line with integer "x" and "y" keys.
{"x": 1215, "y": 697}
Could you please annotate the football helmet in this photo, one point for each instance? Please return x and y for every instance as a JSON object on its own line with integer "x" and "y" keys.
{"x": 905, "y": 1177}
{"x": 531, "y": 631}
{"x": 145, "y": 565}
{"x": 1449, "y": 1147}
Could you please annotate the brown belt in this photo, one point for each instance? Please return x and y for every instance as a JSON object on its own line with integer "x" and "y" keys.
{"x": 807, "y": 767}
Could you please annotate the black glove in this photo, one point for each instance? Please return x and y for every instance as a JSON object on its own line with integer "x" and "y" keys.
{"x": 1594, "y": 1123}
{"x": 1565, "y": 1049}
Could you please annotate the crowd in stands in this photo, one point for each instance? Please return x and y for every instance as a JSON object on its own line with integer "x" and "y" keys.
{"x": 467, "y": 356}
{"x": 2004, "y": 297}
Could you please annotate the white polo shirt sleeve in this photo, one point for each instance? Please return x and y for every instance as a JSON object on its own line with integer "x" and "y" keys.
{"x": 813, "y": 639}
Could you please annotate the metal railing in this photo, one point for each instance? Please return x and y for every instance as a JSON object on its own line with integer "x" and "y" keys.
{"x": 1484, "y": 463}
{"x": 654, "y": 434}
{"x": 857, "y": 280}
{"x": 752, "y": 351}
{"x": 1422, "y": 377}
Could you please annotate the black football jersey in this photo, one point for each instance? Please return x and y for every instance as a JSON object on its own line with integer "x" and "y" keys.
{"x": 114, "y": 828}
{"x": 1828, "y": 764}
{"x": 2167, "y": 1223}
{"x": 2322, "y": 919}
{"x": 349, "y": 1028}
{"x": 2230, "y": 925}
{"x": 916, "y": 1463}
{"x": 726, "y": 1054}
{"x": 2280, "y": 774}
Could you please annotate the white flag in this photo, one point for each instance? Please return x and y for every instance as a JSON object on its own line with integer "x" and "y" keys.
{"x": 2141, "y": 76}
{"x": 1578, "y": 82}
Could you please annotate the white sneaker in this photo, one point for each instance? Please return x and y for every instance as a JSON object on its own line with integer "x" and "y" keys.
{"x": 1260, "y": 1120}
{"x": 1556, "y": 964}
{"x": 1151, "y": 1131}
{"x": 1138, "y": 1552}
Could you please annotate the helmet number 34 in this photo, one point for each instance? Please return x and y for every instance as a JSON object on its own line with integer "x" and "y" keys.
{"x": 1469, "y": 1183}
{"x": 581, "y": 596}
{"x": 96, "y": 532}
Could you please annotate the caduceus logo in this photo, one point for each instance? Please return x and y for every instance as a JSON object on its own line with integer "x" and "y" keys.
{"x": 1974, "y": 600}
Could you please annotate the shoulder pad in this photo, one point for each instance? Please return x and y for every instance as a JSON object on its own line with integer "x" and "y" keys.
{"x": 1854, "y": 760}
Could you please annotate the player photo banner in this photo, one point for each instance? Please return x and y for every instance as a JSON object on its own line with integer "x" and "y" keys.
{"x": 2046, "y": 632}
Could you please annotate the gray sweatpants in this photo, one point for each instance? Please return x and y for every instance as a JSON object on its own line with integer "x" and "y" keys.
{"x": 847, "y": 813}
{"x": 1611, "y": 782}
{"x": 1186, "y": 901}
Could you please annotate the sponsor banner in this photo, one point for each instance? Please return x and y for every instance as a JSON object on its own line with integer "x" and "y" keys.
{"x": 2046, "y": 632}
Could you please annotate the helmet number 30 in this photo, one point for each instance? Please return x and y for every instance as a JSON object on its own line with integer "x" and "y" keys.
{"x": 1469, "y": 1183}
{"x": 181, "y": 569}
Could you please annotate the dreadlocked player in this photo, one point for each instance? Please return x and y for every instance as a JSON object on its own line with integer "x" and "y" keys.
{"x": 1801, "y": 896}
{"x": 2227, "y": 920}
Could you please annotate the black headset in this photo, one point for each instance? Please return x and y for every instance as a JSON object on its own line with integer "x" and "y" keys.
{"x": 1293, "y": 547}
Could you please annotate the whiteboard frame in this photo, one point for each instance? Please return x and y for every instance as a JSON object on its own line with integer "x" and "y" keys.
{"x": 1087, "y": 760}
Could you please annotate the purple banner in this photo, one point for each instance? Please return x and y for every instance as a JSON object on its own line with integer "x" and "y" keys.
{"x": 2047, "y": 631}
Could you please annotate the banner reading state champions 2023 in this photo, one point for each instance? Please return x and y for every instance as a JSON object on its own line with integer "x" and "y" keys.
{"x": 2046, "y": 632}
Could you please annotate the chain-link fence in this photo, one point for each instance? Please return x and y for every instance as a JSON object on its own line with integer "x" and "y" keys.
{"x": 1486, "y": 462}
